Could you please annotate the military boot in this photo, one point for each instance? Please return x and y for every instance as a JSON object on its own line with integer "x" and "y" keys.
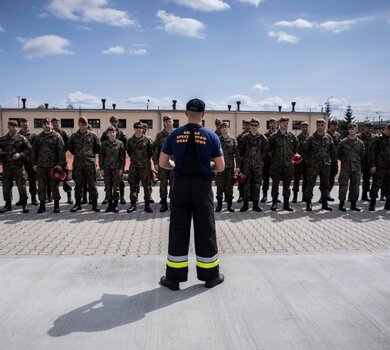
{"x": 77, "y": 206}
{"x": 7, "y": 207}
{"x": 115, "y": 207}
{"x": 25, "y": 209}
{"x": 372, "y": 204}
{"x": 42, "y": 207}
{"x": 295, "y": 197}
{"x": 286, "y": 204}
{"x": 34, "y": 199}
{"x": 354, "y": 206}
{"x": 148, "y": 208}
{"x": 309, "y": 206}
{"x": 230, "y": 206}
{"x": 325, "y": 204}
{"x": 105, "y": 200}
{"x": 85, "y": 199}
{"x": 109, "y": 207}
{"x": 256, "y": 206}
{"x": 18, "y": 203}
{"x": 264, "y": 199}
{"x": 122, "y": 199}
{"x": 56, "y": 206}
{"x": 245, "y": 206}
{"x": 365, "y": 197}
{"x": 219, "y": 205}
{"x": 274, "y": 205}
{"x": 133, "y": 207}
{"x": 387, "y": 204}
{"x": 342, "y": 206}
{"x": 164, "y": 205}
{"x": 95, "y": 208}
{"x": 69, "y": 198}
{"x": 239, "y": 200}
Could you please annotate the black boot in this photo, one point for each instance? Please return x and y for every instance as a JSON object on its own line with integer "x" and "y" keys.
{"x": 148, "y": 208}
{"x": 56, "y": 206}
{"x": 25, "y": 209}
{"x": 383, "y": 198}
{"x": 239, "y": 200}
{"x": 308, "y": 206}
{"x": 77, "y": 206}
{"x": 109, "y": 207}
{"x": 7, "y": 207}
{"x": 354, "y": 206}
{"x": 286, "y": 204}
{"x": 34, "y": 199}
{"x": 372, "y": 204}
{"x": 387, "y": 204}
{"x": 230, "y": 206}
{"x": 256, "y": 206}
{"x": 295, "y": 197}
{"x": 122, "y": 200}
{"x": 274, "y": 205}
{"x": 365, "y": 197}
{"x": 84, "y": 200}
{"x": 69, "y": 198}
{"x": 245, "y": 206}
{"x": 133, "y": 207}
{"x": 42, "y": 208}
{"x": 164, "y": 205}
{"x": 18, "y": 203}
{"x": 342, "y": 206}
{"x": 105, "y": 200}
{"x": 115, "y": 207}
{"x": 325, "y": 204}
{"x": 95, "y": 208}
{"x": 264, "y": 199}
{"x": 219, "y": 205}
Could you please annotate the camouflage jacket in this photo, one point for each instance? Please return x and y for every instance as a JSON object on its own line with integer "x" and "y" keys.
{"x": 267, "y": 158}
{"x": 65, "y": 138}
{"x": 9, "y": 145}
{"x": 120, "y": 135}
{"x": 366, "y": 140}
{"x": 379, "y": 152}
{"x": 48, "y": 150}
{"x": 319, "y": 150}
{"x": 140, "y": 151}
{"x": 351, "y": 153}
{"x": 301, "y": 140}
{"x": 84, "y": 147}
{"x": 112, "y": 155}
{"x": 230, "y": 151}
{"x": 336, "y": 137}
{"x": 240, "y": 136}
{"x": 282, "y": 148}
{"x": 158, "y": 144}
{"x": 31, "y": 137}
{"x": 252, "y": 150}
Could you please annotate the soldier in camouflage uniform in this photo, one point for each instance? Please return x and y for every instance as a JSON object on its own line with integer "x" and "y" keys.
{"x": 267, "y": 160}
{"x": 253, "y": 148}
{"x": 140, "y": 150}
{"x": 218, "y": 123}
{"x": 246, "y": 124}
{"x": 65, "y": 137}
{"x": 48, "y": 151}
{"x": 28, "y": 166}
{"x": 121, "y": 136}
{"x": 112, "y": 158}
{"x": 84, "y": 145}
{"x": 283, "y": 145}
{"x": 164, "y": 175}
{"x": 350, "y": 152}
{"x": 318, "y": 152}
{"x": 145, "y": 132}
{"x": 15, "y": 149}
{"x": 334, "y": 166}
{"x": 224, "y": 179}
{"x": 300, "y": 169}
{"x": 379, "y": 159}
{"x": 366, "y": 136}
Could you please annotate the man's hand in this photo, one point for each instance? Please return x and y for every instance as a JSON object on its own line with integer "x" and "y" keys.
{"x": 120, "y": 173}
{"x": 16, "y": 156}
{"x": 35, "y": 168}
{"x": 156, "y": 167}
{"x": 373, "y": 170}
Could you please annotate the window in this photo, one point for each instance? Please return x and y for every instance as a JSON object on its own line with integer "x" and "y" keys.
{"x": 176, "y": 123}
{"x": 95, "y": 123}
{"x": 37, "y": 123}
{"x": 67, "y": 123}
{"x": 227, "y": 122}
{"x": 296, "y": 124}
{"x": 122, "y": 124}
{"x": 148, "y": 122}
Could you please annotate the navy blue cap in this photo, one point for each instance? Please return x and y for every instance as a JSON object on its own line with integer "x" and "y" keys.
{"x": 195, "y": 105}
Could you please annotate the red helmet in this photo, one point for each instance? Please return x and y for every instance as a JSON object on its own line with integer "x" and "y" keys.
{"x": 297, "y": 159}
{"x": 57, "y": 173}
{"x": 239, "y": 177}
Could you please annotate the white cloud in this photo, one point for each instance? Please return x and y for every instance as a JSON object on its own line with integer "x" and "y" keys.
{"x": 298, "y": 23}
{"x": 91, "y": 11}
{"x": 204, "y": 5}
{"x": 138, "y": 52}
{"x": 182, "y": 26}
{"x": 252, "y": 2}
{"x": 114, "y": 50}
{"x": 78, "y": 98}
{"x": 283, "y": 37}
{"x": 44, "y": 45}
{"x": 341, "y": 26}
{"x": 2, "y": 30}
{"x": 86, "y": 28}
{"x": 260, "y": 88}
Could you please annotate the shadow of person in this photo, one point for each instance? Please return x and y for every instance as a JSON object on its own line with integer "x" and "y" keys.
{"x": 113, "y": 310}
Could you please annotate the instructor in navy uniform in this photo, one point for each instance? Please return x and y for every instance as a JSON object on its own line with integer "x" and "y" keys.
{"x": 194, "y": 153}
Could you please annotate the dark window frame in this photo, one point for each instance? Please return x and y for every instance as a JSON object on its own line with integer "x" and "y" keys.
{"x": 95, "y": 123}
{"x": 296, "y": 124}
{"x": 122, "y": 123}
{"x": 66, "y": 122}
{"x": 148, "y": 122}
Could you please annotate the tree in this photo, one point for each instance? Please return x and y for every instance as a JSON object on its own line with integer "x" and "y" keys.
{"x": 348, "y": 118}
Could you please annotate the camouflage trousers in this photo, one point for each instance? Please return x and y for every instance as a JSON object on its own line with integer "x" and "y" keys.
{"x": 381, "y": 180}
{"x": 353, "y": 179}
{"x": 366, "y": 175}
{"x": 136, "y": 175}
{"x": 251, "y": 188}
{"x": 45, "y": 181}
{"x": 266, "y": 175}
{"x": 17, "y": 174}
{"x": 224, "y": 182}
{"x": 334, "y": 169}
{"x": 299, "y": 173}
{"x": 86, "y": 174}
{"x": 111, "y": 184}
{"x": 166, "y": 177}
{"x": 311, "y": 178}
{"x": 284, "y": 174}
{"x": 32, "y": 179}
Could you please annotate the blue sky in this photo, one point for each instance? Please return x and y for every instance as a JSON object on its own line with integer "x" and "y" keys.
{"x": 264, "y": 53}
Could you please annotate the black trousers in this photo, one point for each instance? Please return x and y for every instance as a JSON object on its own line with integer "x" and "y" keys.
{"x": 192, "y": 199}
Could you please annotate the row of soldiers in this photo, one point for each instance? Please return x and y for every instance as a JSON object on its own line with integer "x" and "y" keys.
{"x": 26, "y": 153}
{"x": 261, "y": 157}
